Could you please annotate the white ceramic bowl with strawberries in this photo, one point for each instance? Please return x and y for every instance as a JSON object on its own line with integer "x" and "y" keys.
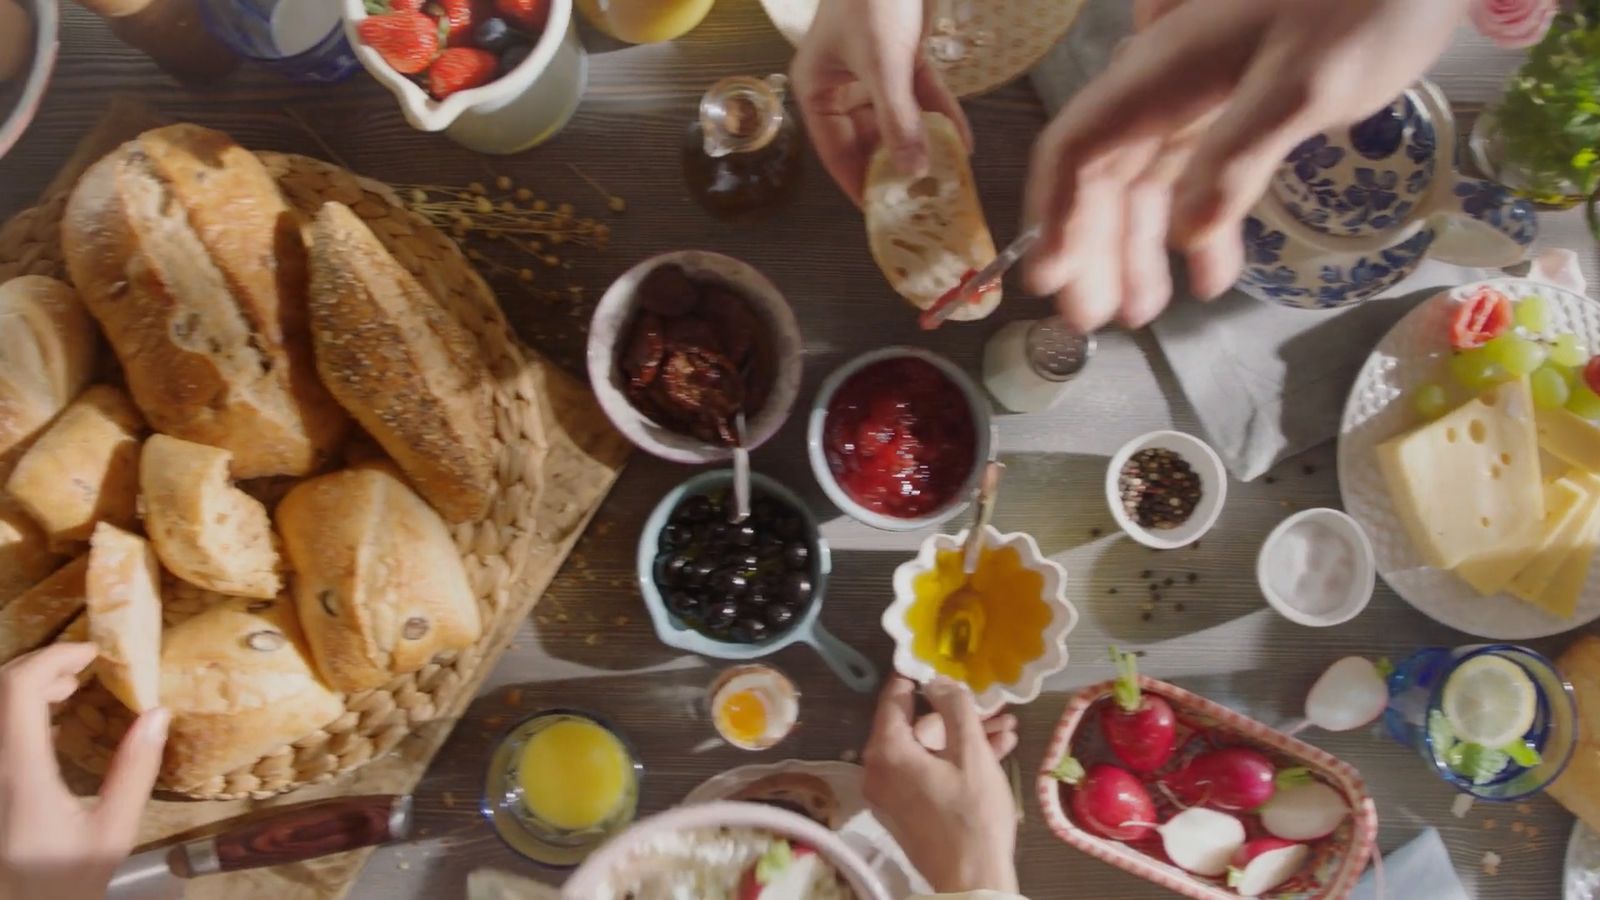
{"x": 493, "y": 89}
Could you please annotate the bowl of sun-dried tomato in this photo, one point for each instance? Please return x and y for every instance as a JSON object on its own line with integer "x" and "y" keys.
{"x": 683, "y": 343}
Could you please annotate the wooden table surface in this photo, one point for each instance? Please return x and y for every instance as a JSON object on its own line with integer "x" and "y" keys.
{"x": 588, "y": 644}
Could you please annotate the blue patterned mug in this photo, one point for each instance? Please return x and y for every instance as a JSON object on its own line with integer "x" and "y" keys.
{"x": 1352, "y": 211}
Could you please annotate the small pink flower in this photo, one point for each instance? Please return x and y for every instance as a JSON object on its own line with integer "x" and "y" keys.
{"x": 1513, "y": 23}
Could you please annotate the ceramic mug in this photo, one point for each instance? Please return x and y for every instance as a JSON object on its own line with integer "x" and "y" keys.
{"x": 1353, "y": 211}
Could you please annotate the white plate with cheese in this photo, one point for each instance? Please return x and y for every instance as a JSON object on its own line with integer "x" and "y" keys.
{"x": 1480, "y": 484}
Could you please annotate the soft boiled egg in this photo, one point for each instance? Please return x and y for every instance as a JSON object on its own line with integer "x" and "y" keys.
{"x": 754, "y": 707}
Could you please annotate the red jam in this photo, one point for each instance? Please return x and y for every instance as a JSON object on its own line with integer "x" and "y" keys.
{"x": 899, "y": 438}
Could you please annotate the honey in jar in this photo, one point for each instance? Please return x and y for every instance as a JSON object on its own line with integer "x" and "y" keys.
{"x": 645, "y": 21}
{"x": 742, "y": 156}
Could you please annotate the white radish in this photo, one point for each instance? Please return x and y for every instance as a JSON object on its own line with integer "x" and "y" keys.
{"x": 1263, "y": 864}
{"x": 1202, "y": 840}
{"x": 1349, "y": 695}
{"x": 1306, "y": 811}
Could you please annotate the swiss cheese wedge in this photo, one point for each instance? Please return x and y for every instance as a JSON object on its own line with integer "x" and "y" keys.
{"x": 1531, "y": 582}
{"x": 1468, "y": 482}
{"x": 1490, "y": 572}
{"x": 1569, "y": 438}
{"x": 1560, "y": 593}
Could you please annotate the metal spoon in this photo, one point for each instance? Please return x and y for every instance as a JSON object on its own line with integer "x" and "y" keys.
{"x": 741, "y": 474}
{"x": 962, "y": 618}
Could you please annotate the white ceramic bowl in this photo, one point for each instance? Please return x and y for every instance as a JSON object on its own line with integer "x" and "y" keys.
{"x": 622, "y": 852}
{"x": 20, "y": 100}
{"x": 1213, "y": 488}
{"x": 615, "y": 311}
{"x": 1362, "y": 573}
{"x": 982, "y": 423}
{"x": 1063, "y": 617}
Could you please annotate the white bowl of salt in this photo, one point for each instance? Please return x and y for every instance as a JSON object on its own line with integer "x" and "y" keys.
{"x": 1316, "y": 568}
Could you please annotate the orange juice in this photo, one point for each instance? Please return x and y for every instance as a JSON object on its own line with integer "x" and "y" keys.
{"x": 574, "y": 774}
{"x": 644, "y": 21}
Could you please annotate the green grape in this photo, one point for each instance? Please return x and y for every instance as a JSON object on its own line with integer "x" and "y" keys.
{"x": 1474, "y": 370}
{"x": 1566, "y": 351}
{"x": 1430, "y": 401}
{"x": 1585, "y": 403}
{"x": 1550, "y": 388}
{"x": 1530, "y": 314}
{"x": 1517, "y": 355}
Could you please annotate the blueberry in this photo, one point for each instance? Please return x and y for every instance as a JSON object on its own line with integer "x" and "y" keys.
{"x": 695, "y": 509}
{"x": 730, "y": 583}
{"x": 675, "y": 536}
{"x": 720, "y": 615}
{"x": 750, "y": 630}
{"x": 492, "y": 34}
{"x": 796, "y": 589}
{"x": 513, "y": 56}
{"x": 780, "y": 616}
{"x": 797, "y": 556}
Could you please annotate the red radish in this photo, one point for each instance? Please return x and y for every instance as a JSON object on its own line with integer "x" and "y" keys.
{"x": 1232, "y": 779}
{"x": 1140, "y": 728}
{"x": 1265, "y": 863}
{"x": 785, "y": 872}
{"x": 1350, "y": 694}
{"x": 1202, "y": 840}
{"x": 1108, "y": 801}
{"x": 1303, "y": 809}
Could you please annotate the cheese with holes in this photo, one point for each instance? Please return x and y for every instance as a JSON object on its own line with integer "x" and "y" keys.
{"x": 1539, "y": 574}
{"x": 1468, "y": 482}
{"x": 1561, "y": 593}
{"x": 1490, "y": 572}
{"x": 1572, "y": 439}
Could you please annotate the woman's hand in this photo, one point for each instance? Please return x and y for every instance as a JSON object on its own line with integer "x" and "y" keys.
{"x": 1179, "y": 137}
{"x": 949, "y": 808}
{"x": 862, "y": 80}
{"x": 52, "y": 844}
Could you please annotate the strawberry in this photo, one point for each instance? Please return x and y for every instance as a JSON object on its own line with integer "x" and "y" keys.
{"x": 529, "y": 15}
{"x": 460, "y": 68}
{"x": 406, "y": 40}
{"x": 457, "y": 18}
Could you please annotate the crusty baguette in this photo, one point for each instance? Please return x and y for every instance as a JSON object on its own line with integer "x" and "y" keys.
{"x": 927, "y": 233}
{"x": 240, "y": 685}
{"x": 25, "y": 554}
{"x": 33, "y": 618}
{"x": 402, "y": 365}
{"x": 1578, "y": 788}
{"x": 47, "y": 350}
{"x": 379, "y": 582}
{"x": 123, "y": 597}
{"x": 205, "y": 530}
{"x": 182, "y": 246}
{"x": 84, "y": 469}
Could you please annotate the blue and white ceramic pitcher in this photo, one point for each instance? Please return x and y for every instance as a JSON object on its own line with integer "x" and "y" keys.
{"x": 1355, "y": 210}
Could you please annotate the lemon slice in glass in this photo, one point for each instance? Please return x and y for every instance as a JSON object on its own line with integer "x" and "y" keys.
{"x": 1490, "y": 700}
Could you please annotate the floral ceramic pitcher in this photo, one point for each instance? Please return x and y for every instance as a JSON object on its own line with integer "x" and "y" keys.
{"x": 1352, "y": 211}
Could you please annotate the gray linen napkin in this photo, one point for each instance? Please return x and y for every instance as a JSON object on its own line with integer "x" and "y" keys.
{"x": 1421, "y": 870}
{"x": 1265, "y": 381}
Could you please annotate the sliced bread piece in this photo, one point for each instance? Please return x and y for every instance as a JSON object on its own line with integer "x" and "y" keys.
{"x": 124, "y": 606}
{"x": 84, "y": 468}
{"x": 31, "y": 619}
{"x": 928, "y": 232}
{"x": 205, "y": 530}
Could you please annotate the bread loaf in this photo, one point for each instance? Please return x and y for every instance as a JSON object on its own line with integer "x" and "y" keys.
{"x": 205, "y": 530}
{"x": 33, "y": 618}
{"x": 928, "y": 232}
{"x": 378, "y": 581}
{"x": 1578, "y": 788}
{"x": 124, "y": 604}
{"x": 25, "y": 555}
{"x": 84, "y": 469}
{"x": 402, "y": 365}
{"x": 240, "y": 685}
{"x": 183, "y": 248}
{"x": 47, "y": 350}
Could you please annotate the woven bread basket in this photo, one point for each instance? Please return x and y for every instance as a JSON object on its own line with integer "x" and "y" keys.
{"x": 524, "y": 520}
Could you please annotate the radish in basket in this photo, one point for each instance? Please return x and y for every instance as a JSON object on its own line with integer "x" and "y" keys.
{"x": 1140, "y": 728}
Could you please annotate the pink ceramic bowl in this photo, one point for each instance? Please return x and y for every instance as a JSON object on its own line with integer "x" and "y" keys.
{"x": 618, "y": 852}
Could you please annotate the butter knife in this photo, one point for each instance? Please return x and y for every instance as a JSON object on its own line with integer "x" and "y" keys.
{"x": 986, "y": 278}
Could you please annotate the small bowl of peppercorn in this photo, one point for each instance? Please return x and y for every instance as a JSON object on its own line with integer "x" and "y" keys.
{"x": 740, "y": 590}
{"x": 1166, "y": 489}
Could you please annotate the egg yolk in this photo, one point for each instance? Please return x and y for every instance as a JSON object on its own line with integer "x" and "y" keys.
{"x": 1011, "y": 615}
{"x": 742, "y": 716}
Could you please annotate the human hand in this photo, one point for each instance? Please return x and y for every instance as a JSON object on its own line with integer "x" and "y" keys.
{"x": 1180, "y": 135}
{"x": 861, "y": 79}
{"x": 52, "y": 844}
{"x": 950, "y": 809}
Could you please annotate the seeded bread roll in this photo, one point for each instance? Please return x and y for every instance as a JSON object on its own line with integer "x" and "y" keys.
{"x": 205, "y": 530}
{"x": 402, "y": 365}
{"x": 124, "y": 603}
{"x": 240, "y": 684}
{"x": 927, "y": 233}
{"x": 47, "y": 350}
{"x": 33, "y": 618}
{"x": 84, "y": 469}
{"x": 183, "y": 248}
{"x": 378, "y": 581}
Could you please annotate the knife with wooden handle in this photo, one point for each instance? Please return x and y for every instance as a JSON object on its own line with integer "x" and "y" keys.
{"x": 279, "y": 836}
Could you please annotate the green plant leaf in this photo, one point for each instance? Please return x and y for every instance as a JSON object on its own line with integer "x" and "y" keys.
{"x": 779, "y": 856}
{"x": 1126, "y": 690}
{"x": 1291, "y": 777}
{"x": 1475, "y": 761}
{"x": 1385, "y": 667}
{"x": 377, "y": 7}
{"x": 1069, "y": 770}
{"x": 1523, "y": 754}
{"x": 1441, "y": 732}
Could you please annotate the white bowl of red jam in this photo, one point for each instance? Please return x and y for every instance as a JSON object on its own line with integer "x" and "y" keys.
{"x": 897, "y": 438}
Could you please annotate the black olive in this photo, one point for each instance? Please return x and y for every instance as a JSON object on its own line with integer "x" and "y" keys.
{"x": 750, "y": 630}
{"x": 769, "y": 544}
{"x": 744, "y": 561}
{"x": 719, "y": 533}
{"x": 796, "y": 589}
{"x": 684, "y": 605}
{"x": 797, "y": 556}
{"x": 697, "y": 573}
{"x": 696, "y": 509}
{"x": 789, "y": 528}
{"x": 760, "y": 595}
{"x": 764, "y": 510}
{"x": 744, "y": 535}
{"x": 675, "y": 536}
{"x": 730, "y": 583}
{"x": 671, "y": 569}
{"x": 780, "y": 616}
{"x": 720, "y": 615}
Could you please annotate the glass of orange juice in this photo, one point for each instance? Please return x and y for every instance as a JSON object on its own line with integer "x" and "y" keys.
{"x": 645, "y": 21}
{"x": 559, "y": 784}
